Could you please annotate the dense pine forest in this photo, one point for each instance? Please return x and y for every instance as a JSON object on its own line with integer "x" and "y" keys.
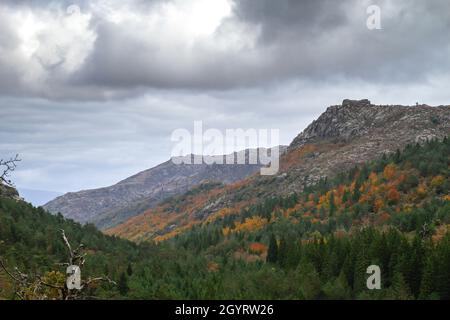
{"x": 393, "y": 212}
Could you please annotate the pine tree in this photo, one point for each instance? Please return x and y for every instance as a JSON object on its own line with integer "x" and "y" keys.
{"x": 123, "y": 284}
{"x": 332, "y": 205}
{"x": 346, "y": 197}
{"x": 310, "y": 285}
{"x": 400, "y": 289}
{"x": 272, "y": 253}
{"x": 415, "y": 266}
{"x": 397, "y": 157}
{"x": 282, "y": 252}
{"x": 427, "y": 286}
{"x": 129, "y": 270}
{"x": 356, "y": 192}
{"x": 338, "y": 288}
{"x": 442, "y": 264}
{"x": 360, "y": 275}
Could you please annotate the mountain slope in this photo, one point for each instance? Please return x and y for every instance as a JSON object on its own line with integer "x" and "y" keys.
{"x": 345, "y": 135}
{"x": 30, "y": 239}
{"x": 393, "y": 212}
{"x": 316, "y": 244}
{"x": 106, "y": 207}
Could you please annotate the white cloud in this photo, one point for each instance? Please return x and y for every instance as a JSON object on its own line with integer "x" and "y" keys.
{"x": 52, "y": 43}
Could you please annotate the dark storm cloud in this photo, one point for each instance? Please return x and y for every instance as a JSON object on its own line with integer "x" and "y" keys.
{"x": 323, "y": 39}
{"x": 262, "y": 42}
{"x": 9, "y": 62}
{"x": 281, "y": 18}
{"x": 287, "y": 46}
{"x": 315, "y": 40}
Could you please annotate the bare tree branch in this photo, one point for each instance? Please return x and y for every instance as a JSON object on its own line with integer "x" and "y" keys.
{"x": 8, "y": 166}
{"x": 104, "y": 279}
{"x": 7, "y": 272}
{"x": 66, "y": 242}
{"x": 50, "y": 285}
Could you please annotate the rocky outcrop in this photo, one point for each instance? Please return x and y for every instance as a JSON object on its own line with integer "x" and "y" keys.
{"x": 358, "y": 118}
{"x": 9, "y": 192}
{"x": 358, "y": 131}
{"x": 348, "y": 134}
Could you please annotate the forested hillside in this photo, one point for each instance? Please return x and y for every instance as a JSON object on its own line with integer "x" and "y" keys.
{"x": 30, "y": 239}
{"x": 355, "y": 132}
{"x": 393, "y": 212}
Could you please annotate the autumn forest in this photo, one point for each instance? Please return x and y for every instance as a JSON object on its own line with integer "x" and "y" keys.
{"x": 393, "y": 212}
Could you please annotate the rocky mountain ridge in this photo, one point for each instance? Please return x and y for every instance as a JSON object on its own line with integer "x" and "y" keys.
{"x": 355, "y": 118}
{"x": 358, "y": 131}
{"x": 109, "y": 206}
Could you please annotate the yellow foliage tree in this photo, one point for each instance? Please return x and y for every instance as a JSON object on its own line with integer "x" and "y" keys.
{"x": 250, "y": 224}
{"x": 437, "y": 181}
{"x": 421, "y": 191}
{"x": 390, "y": 171}
{"x": 226, "y": 231}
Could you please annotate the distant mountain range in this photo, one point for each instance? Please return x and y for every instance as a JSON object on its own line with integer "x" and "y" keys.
{"x": 109, "y": 206}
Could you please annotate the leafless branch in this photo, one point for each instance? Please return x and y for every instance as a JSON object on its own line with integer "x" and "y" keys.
{"x": 66, "y": 242}
{"x": 50, "y": 285}
{"x": 7, "y": 271}
{"x": 8, "y": 166}
{"x": 62, "y": 264}
{"x": 99, "y": 279}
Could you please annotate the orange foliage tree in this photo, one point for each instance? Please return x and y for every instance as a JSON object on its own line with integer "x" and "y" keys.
{"x": 393, "y": 195}
{"x": 258, "y": 248}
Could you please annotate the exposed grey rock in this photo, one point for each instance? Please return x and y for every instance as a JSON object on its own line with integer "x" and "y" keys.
{"x": 358, "y": 118}
{"x": 358, "y": 131}
{"x": 9, "y": 192}
{"x": 106, "y": 207}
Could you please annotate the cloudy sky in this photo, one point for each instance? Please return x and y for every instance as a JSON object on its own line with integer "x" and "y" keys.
{"x": 90, "y": 91}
